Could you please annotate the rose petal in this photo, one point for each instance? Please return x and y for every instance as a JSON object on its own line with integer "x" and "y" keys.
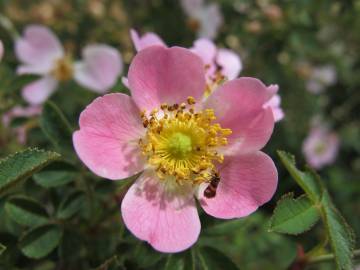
{"x": 229, "y": 62}
{"x": 19, "y": 111}
{"x": 274, "y": 104}
{"x": 205, "y": 49}
{"x": 40, "y": 90}
{"x": 1, "y": 50}
{"x": 107, "y": 141}
{"x": 147, "y": 40}
{"x": 190, "y": 7}
{"x": 100, "y": 68}
{"x": 210, "y": 19}
{"x": 170, "y": 75}
{"x": 168, "y": 221}
{"x": 238, "y": 105}
{"x": 38, "y": 47}
{"x": 125, "y": 81}
{"x": 246, "y": 182}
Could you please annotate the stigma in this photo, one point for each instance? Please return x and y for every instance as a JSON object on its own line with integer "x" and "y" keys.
{"x": 182, "y": 143}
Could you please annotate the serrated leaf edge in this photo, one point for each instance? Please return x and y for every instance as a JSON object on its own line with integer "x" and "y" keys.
{"x": 290, "y": 195}
{"x": 52, "y": 156}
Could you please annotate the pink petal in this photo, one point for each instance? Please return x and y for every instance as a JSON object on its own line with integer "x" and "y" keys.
{"x": 19, "y": 111}
{"x": 247, "y": 182}
{"x": 166, "y": 219}
{"x": 40, "y": 90}
{"x": 1, "y": 50}
{"x": 205, "y": 49}
{"x": 100, "y": 68}
{"x": 229, "y": 62}
{"x": 274, "y": 104}
{"x": 147, "y": 40}
{"x": 238, "y": 105}
{"x": 273, "y": 89}
{"x": 38, "y": 47}
{"x": 107, "y": 141}
{"x": 125, "y": 81}
{"x": 158, "y": 75}
{"x": 210, "y": 19}
{"x": 191, "y": 7}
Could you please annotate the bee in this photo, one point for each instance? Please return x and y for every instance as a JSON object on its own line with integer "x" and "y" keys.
{"x": 210, "y": 191}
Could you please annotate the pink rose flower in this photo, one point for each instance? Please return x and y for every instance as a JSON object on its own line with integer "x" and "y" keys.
{"x": 41, "y": 53}
{"x": 320, "y": 147}
{"x": 182, "y": 142}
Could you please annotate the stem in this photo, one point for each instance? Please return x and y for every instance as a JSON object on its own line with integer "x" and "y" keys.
{"x": 8, "y": 26}
{"x": 329, "y": 257}
{"x": 107, "y": 263}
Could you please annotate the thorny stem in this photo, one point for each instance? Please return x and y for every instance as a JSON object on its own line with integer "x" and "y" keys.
{"x": 329, "y": 257}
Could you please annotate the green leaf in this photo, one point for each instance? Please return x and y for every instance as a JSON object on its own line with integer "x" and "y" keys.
{"x": 225, "y": 226}
{"x": 70, "y": 205}
{"x": 306, "y": 180}
{"x": 26, "y": 211}
{"x": 2, "y": 248}
{"x": 294, "y": 216}
{"x": 146, "y": 256}
{"x": 57, "y": 174}
{"x": 71, "y": 246}
{"x": 212, "y": 259}
{"x": 174, "y": 262}
{"x": 56, "y": 127}
{"x": 341, "y": 236}
{"x": 39, "y": 242}
{"x": 22, "y": 165}
{"x": 48, "y": 179}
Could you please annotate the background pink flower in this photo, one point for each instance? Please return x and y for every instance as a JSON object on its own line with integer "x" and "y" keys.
{"x": 321, "y": 146}
{"x": 17, "y": 112}
{"x": 320, "y": 78}
{"x": 205, "y": 19}
{"x": 41, "y": 53}
{"x": 157, "y": 210}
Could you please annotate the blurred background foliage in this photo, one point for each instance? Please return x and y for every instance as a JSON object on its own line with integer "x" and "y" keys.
{"x": 279, "y": 41}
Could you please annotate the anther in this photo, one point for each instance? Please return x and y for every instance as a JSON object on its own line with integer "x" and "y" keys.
{"x": 164, "y": 106}
{"x": 190, "y": 100}
{"x": 182, "y": 106}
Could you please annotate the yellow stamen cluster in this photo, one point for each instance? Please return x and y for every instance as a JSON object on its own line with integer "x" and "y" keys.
{"x": 63, "y": 69}
{"x": 181, "y": 142}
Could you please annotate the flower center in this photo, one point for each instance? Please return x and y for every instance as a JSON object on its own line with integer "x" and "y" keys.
{"x": 63, "y": 69}
{"x": 320, "y": 148}
{"x": 181, "y": 143}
